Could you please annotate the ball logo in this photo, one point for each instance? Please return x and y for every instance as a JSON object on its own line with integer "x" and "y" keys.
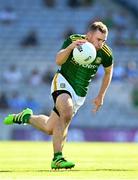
{"x": 80, "y": 48}
{"x": 87, "y": 59}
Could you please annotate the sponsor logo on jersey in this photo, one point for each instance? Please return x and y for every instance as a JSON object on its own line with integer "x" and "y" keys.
{"x": 89, "y": 66}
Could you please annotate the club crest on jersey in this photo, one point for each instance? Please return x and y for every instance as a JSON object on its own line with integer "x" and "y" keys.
{"x": 62, "y": 85}
{"x": 98, "y": 60}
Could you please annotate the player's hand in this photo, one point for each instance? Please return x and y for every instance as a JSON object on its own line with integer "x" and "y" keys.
{"x": 98, "y": 102}
{"x": 77, "y": 43}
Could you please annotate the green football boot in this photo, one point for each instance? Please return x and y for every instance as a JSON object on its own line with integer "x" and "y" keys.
{"x": 21, "y": 118}
{"x": 61, "y": 163}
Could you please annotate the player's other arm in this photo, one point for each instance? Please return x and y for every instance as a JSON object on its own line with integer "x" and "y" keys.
{"x": 98, "y": 101}
{"x": 63, "y": 54}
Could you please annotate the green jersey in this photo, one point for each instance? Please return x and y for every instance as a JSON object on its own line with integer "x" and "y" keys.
{"x": 79, "y": 76}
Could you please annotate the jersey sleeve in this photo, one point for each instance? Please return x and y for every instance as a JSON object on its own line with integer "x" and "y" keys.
{"x": 66, "y": 43}
{"x": 107, "y": 56}
{"x": 108, "y": 61}
{"x": 72, "y": 38}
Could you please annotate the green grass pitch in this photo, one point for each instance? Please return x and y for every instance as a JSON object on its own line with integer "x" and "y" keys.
{"x": 31, "y": 160}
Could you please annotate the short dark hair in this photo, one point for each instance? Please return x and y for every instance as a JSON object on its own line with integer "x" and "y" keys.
{"x": 98, "y": 25}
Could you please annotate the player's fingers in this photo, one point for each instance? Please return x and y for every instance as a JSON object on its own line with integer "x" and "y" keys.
{"x": 80, "y": 42}
{"x": 94, "y": 102}
{"x": 96, "y": 108}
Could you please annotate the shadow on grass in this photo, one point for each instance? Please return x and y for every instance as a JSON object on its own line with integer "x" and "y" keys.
{"x": 67, "y": 170}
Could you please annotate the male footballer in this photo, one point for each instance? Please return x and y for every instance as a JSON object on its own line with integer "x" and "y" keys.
{"x": 69, "y": 89}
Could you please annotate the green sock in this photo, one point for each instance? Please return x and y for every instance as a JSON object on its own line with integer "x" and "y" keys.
{"x": 56, "y": 155}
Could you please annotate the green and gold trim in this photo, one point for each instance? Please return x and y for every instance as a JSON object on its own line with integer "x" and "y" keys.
{"x": 76, "y": 37}
{"x": 107, "y": 50}
{"x": 55, "y": 81}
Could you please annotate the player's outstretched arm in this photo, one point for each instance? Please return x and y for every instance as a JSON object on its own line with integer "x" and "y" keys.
{"x": 98, "y": 101}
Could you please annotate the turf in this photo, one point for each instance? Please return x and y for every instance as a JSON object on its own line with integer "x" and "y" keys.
{"x": 31, "y": 160}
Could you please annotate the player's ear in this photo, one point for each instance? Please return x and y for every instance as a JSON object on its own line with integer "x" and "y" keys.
{"x": 89, "y": 35}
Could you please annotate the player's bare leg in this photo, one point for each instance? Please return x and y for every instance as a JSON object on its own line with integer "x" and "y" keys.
{"x": 58, "y": 127}
{"x": 44, "y": 123}
{"x": 52, "y": 125}
{"x": 65, "y": 108}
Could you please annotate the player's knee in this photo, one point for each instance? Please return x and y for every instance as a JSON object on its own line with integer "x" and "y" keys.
{"x": 67, "y": 115}
{"x": 48, "y": 131}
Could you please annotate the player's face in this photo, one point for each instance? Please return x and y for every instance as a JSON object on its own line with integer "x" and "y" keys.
{"x": 97, "y": 38}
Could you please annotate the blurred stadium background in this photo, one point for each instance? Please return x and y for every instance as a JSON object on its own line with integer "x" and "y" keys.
{"x": 32, "y": 31}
